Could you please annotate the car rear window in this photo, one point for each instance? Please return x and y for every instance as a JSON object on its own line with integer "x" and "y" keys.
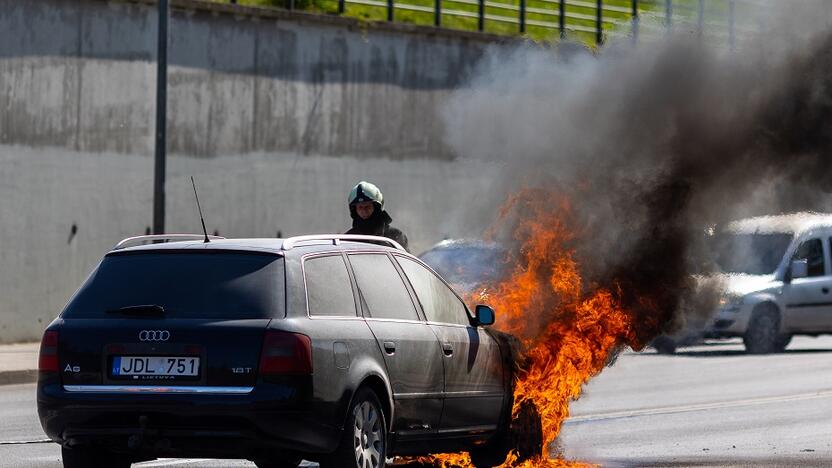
{"x": 227, "y": 285}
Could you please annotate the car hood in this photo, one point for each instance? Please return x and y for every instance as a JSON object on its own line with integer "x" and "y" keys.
{"x": 739, "y": 284}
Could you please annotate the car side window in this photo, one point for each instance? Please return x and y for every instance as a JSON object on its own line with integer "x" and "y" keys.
{"x": 438, "y": 301}
{"x": 811, "y": 251}
{"x": 328, "y": 287}
{"x": 381, "y": 287}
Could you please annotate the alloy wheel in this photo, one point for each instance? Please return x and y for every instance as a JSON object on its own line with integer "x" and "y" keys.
{"x": 368, "y": 437}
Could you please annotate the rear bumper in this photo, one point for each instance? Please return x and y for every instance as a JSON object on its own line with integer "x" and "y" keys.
{"x": 219, "y": 425}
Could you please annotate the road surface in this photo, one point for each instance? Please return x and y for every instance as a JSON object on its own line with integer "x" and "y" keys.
{"x": 707, "y": 406}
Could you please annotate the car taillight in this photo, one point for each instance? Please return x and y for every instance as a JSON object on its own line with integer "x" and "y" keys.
{"x": 48, "y": 360}
{"x": 286, "y": 353}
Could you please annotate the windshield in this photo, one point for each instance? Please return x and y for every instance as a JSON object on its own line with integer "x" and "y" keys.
{"x": 466, "y": 265}
{"x": 753, "y": 254}
{"x": 187, "y": 285}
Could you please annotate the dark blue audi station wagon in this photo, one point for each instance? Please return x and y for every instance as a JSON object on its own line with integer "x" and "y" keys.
{"x": 340, "y": 349}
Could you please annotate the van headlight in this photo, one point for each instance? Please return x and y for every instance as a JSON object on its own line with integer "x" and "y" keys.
{"x": 730, "y": 304}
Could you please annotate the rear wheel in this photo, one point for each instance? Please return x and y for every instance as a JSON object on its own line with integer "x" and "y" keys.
{"x": 762, "y": 336}
{"x": 89, "y": 457}
{"x": 364, "y": 442}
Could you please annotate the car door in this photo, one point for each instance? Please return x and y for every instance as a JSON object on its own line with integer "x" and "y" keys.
{"x": 410, "y": 348}
{"x": 474, "y": 385}
{"x": 808, "y": 299}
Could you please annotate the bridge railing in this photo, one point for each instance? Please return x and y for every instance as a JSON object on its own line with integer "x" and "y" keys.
{"x": 597, "y": 19}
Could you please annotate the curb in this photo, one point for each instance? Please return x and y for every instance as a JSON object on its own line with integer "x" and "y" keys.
{"x": 18, "y": 376}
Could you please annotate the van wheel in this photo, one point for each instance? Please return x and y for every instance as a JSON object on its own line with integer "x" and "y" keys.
{"x": 90, "y": 457}
{"x": 364, "y": 441}
{"x": 762, "y": 335}
{"x": 664, "y": 345}
{"x": 782, "y": 342}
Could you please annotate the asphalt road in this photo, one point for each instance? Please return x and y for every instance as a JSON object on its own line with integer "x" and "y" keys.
{"x": 707, "y": 406}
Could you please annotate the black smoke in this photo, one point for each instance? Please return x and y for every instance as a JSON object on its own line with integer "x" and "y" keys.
{"x": 656, "y": 142}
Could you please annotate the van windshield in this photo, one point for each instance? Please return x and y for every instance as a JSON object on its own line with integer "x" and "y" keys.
{"x": 221, "y": 284}
{"x": 753, "y": 254}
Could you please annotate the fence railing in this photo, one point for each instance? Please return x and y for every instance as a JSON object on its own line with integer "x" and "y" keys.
{"x": 596, "y": 17}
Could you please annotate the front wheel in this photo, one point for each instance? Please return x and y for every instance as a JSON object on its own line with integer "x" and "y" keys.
{"x": 364, "y": 442}
{"x": 762, "y": 335}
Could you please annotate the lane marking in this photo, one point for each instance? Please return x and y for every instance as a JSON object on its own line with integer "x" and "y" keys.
{"x": 698, "y": 407}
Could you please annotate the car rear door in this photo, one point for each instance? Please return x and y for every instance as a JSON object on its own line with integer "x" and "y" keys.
{"x": 410, "y": 349}
{"x": 171, "y": 319}
{"x": 474, "y": 375}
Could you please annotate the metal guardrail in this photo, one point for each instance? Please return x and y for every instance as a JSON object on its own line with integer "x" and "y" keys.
{"x": 597, "y": 17}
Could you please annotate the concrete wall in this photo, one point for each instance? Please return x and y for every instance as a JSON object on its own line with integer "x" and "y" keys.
{"x": 276, "y": 114}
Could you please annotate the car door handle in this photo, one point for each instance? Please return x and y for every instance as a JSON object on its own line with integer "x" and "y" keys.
{"x": 824, "y": 290}
{"x": 448, "y": 349}
{"x": 390, "y": 347}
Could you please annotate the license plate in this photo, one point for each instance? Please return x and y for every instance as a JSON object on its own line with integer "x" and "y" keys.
{"x": 175, "y": 366}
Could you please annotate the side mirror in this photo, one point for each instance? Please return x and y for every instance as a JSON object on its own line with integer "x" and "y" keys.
{"x": 484, "y": 315}
{"x": 799, "y": 269}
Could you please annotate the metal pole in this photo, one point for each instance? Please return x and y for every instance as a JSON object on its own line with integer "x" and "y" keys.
{"x": 562, "y": 18}
{"x": 481, "y": 16}
{"x": 731, "y": 24}
{"x": 389, "y": 10}
{"x": 342, "y": 7}
{"x": 668, "y": 13}
{"x": 522, "y": 16}
{"x": 701, "y": 19}
{"x": 635, "y": 21}
{"x": 599, "y": 22}
{"x": 161, "y": 120}
{"x": 437, "y": 13}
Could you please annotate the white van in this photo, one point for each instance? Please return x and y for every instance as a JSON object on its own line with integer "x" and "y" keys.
{"x": 777, "y": 276}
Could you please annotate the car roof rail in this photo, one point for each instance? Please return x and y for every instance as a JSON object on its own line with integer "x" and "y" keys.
{"x": 290, "y": 243}
{"x": 162, "y": 237}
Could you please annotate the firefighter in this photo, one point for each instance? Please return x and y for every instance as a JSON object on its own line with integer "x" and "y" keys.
{"x": 368, "y": 216}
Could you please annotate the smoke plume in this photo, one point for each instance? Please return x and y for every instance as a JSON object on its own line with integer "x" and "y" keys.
{"x": 653, "y": 143}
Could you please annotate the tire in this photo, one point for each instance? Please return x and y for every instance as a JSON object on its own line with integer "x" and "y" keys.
{"x": 364, "y": 441}
{"x": 762, "y": 336}
{"x": 90, "y": 457}
{"x": 527, "y": 432}
{"x": 286, "y": 461}
{"x": 525, "y": 437}
{"x": 783, "y": 342}
{"x": 664, "y": 345}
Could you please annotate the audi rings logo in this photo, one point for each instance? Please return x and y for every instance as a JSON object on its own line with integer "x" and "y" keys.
{"x": 154, "y": 335}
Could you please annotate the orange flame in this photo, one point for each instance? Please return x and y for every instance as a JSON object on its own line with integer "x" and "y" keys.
{"x": 569, "y": 329}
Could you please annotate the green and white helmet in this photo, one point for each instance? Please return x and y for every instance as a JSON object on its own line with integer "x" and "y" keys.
{"x": 365, "y": 191}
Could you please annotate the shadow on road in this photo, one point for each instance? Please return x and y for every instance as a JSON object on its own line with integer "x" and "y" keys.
{"x": 778, "y": 462}
{"x": 716, "y": 352}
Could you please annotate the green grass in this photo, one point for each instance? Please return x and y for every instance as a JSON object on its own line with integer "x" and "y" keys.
{"x": 578, "y": 17}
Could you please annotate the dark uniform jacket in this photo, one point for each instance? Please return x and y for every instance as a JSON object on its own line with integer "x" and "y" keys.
{"x": 377, "y": 225}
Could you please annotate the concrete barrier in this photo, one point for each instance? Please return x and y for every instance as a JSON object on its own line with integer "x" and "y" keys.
{"x": 276, "y": 114}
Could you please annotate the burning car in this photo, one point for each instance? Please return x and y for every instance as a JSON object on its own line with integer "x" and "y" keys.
{"x": 776, "y": 278}
{"x": 329, "y": 347}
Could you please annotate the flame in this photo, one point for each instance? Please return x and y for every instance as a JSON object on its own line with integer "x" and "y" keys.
{"x": 569, "y": 329}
